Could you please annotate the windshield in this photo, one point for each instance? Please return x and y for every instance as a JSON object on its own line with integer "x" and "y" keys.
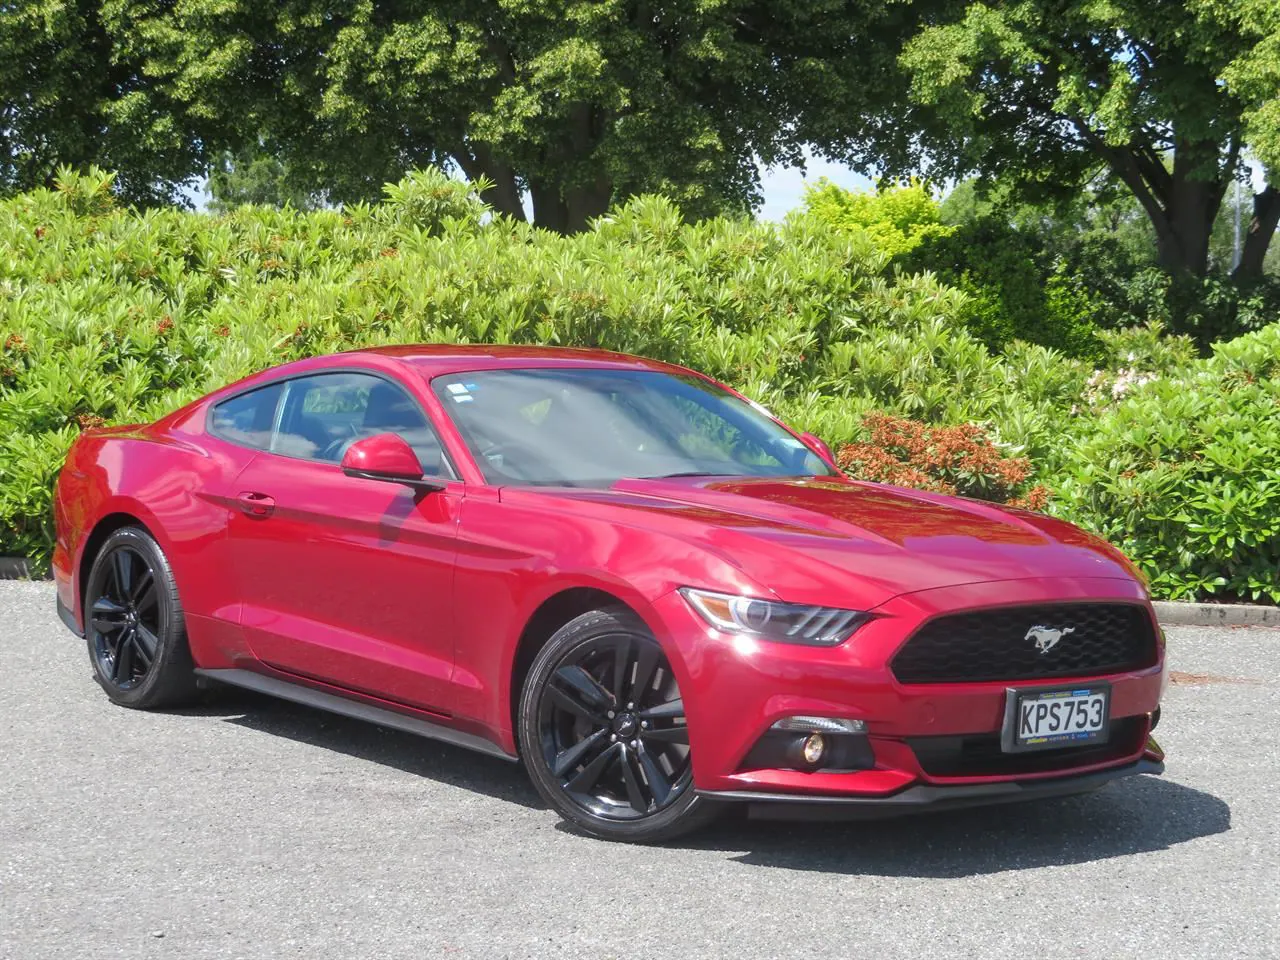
{"x": 594, "y": 427}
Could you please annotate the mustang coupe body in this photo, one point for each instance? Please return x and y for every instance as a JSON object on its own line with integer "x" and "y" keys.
{"x": 639, "y": 583}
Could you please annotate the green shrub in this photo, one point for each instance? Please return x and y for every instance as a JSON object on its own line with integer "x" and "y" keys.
{"x": 1012, "y": 294}
{"x": 111, "y": 315}
{"x": 1207, "y": 309}
{"x": 898, "y": 219}
{"x": 1183, "y": 474}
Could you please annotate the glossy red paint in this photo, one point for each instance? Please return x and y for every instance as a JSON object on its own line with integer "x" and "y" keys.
{"x": 386, "y": 456}
{"x": 420, "y": 598}
{"x": 819, "y": 446}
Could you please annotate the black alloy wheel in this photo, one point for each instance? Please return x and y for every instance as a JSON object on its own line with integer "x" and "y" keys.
{"x": 134, "y": 625}
{"x": 604, "y": 732}
{"x": 125, "y": 619}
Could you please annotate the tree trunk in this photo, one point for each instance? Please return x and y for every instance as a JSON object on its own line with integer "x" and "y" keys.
{"x": 549, "y": 210}
{"x": 1262, "y": 226}
{"x": 504, "y": 194}
{"x": 584, "y": 204}
{"x": 1190, "y": 205}
{"x": 568, "y": 209}
{"x": 1180, "y": 203}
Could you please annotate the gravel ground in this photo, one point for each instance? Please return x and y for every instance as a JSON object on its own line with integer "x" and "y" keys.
{"x": 257, "y": 829}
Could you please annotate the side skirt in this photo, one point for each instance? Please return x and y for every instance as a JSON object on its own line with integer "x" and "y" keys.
{"x": 307, "y": 696}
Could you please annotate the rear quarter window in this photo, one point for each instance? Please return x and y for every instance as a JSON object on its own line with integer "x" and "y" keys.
{"x": 247, "y": 419}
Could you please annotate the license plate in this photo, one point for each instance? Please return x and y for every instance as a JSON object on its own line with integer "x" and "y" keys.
{"x": 1062, "y": 717}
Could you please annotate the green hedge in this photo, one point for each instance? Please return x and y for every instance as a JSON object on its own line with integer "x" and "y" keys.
{"x": 113, "y": 315}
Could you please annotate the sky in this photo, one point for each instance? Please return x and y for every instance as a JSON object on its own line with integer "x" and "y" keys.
{"x": 783, "y": 187}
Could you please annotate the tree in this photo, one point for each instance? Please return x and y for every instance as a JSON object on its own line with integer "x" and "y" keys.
{"x": 1163, "y": 97}
{"x": 67, "y": 98}
{"x": 1254, "y": 77}
{"x": 578, "y": 102}
{"x": 899, "y": 218}
{"x": 252, "y": 177}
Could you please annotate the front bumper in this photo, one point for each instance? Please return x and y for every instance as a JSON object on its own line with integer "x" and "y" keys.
{"x": 736, "y": 687}
{"x": 924, "y": 798}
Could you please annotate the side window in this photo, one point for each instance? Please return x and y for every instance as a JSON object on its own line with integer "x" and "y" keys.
{"x": 325, "y": 413}
{"x": 248, "y": 418}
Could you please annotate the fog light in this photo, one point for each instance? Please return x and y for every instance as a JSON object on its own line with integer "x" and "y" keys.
{"x": 814, "y": 748}
{"x": 820, "y": 725}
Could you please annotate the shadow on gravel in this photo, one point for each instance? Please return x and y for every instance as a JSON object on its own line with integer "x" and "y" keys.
{"x": 419, "y": 756}
{"x": 1139, "y": 815}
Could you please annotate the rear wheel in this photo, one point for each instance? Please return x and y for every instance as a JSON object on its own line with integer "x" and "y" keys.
{"x": 134, "y": 624}
{"x": 603, "y": 731}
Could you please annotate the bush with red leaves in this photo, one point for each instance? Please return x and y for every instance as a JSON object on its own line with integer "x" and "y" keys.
{"x": 956, "y": 460}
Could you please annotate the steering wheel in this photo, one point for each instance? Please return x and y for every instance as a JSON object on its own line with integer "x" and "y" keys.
{"x": 501, "y": 453}
{"x": 335, "y": 449}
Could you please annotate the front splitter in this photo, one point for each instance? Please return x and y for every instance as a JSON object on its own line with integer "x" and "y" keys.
{"x": 923, "y": 798}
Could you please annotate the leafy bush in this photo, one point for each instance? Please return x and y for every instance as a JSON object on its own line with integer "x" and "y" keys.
{"x": 111, "y": 315}
{"x": 954, "y": 460}
{"x": 1206, "y": 309}
{"x": 1012, "y": 295}
{"x": 998, "y": 265}
{"x": 1183, "y": 474}
{"x": 898, "y": 219}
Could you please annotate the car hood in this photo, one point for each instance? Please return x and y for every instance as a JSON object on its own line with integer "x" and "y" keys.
{"x": 832, "y": 540}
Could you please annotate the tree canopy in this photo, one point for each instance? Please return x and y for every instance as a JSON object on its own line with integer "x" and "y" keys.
{"x": 579, "y": 103}
{"x": 68, "y": 96}
{"x": 1164, "y": 98}
{"x": 256, "y": 178}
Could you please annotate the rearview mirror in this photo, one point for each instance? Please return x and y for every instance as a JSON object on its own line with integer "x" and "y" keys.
{"x": 386, "y": 456}
{"x": 819, "y": 446}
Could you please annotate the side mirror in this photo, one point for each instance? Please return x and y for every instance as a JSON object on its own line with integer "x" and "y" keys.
{"x": 819, "y": 446}
{"x": 386, "y": 456}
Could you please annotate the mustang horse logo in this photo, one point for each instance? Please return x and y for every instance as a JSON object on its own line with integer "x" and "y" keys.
{"x": 1047, "y": 638}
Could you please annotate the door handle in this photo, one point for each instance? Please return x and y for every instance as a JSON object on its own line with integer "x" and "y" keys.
{"x": 256, "y": 504}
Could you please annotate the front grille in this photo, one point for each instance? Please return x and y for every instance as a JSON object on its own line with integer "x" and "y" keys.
{"x": 1001, "y": 644}
{"x": 980, "y": 755}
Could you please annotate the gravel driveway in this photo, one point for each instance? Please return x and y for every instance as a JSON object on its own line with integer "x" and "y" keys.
{"x": 257, "y": 829}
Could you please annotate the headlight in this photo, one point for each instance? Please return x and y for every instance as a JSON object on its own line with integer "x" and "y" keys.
{"x": 783, "y": 622}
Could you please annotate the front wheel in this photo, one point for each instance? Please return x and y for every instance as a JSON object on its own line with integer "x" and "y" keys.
{"x": 603, "y": 732}
{"x": 134, "y": 625}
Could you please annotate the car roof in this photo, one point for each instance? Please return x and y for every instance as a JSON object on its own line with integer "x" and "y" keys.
{"x": 433, "y": 359}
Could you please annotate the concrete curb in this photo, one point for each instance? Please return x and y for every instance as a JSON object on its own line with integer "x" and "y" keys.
{"x": 1217, "y": 614}
{"x": 14, "y": 568}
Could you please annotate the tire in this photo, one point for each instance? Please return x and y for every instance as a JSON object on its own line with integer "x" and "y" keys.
{"x": 134, "y": 625}
{"x": 603, "y": 732}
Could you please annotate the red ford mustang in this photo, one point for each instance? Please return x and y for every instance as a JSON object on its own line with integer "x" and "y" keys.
{"x": 656, "y": 595}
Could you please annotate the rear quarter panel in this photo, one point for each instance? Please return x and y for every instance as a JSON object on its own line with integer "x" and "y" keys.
{"x": 174, "y": 482}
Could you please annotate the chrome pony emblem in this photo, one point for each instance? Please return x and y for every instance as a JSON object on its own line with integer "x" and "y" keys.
{"x": 1047, "y": 638}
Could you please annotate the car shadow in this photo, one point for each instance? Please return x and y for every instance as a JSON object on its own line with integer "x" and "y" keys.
{"x": 413, "y": 754}
{"x": 1136, "y": 815}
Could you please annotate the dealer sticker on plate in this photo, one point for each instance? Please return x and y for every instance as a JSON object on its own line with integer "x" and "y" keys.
{"x": 1061, "y": 717}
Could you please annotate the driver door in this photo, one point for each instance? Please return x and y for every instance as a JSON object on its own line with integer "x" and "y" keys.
{"x": 349, "y": 580}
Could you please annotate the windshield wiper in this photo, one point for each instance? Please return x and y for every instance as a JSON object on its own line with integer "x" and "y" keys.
{"x": 686, "y": 473}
